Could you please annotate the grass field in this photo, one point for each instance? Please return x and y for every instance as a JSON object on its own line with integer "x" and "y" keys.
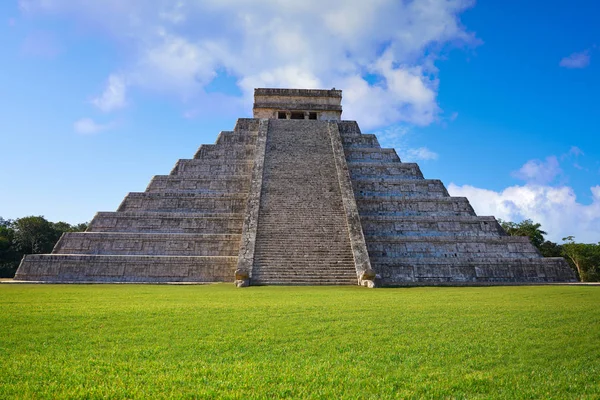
{"x": 137, "y": 341}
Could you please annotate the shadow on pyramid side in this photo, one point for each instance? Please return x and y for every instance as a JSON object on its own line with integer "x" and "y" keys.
{"x": 295, "y": 196}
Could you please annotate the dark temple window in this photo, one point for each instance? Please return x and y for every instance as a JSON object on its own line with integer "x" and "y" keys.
{"x": 281, "y": 115}
{"x": 312, "y": 115}
{"x": 297, "y": 115}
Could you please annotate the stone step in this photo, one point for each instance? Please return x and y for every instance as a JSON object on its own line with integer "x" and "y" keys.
{"x": 390, "y": 205}
{"x": 193, "y": 167}
{"x": 230, "y": 137}
{"x": 225, "y": 152}
{"x": 371, "y": 154}
{"x": 244, "y": 125}
{"x": 299, "y": 283}
{"x": 175, "y": 244}
{"x": 385, "y": 170}
{"x": 290, "y": 259}
{"x": 348, "y": 128}
{"x": 450, "y": 247}
{"x": 167, "y": 222}
{"x": 306, "y": 276}
{"x": 287, "y": 245}
{"x": 372, "y": 187}
{"x": 426, "y": 226}
{"x": 305, "y": 272}
{"x": 184, "y": 202}
{"x": 207, "y": 184}
{"x": 360, "y": 141}
{"x": 400, "y": 270}
{"x": 119, "y": 268}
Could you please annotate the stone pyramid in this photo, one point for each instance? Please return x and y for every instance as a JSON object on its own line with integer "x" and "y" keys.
{"x": 294, "y": 196}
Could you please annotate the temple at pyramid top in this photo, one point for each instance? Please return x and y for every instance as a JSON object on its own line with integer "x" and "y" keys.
{"x": 316, "y": 104}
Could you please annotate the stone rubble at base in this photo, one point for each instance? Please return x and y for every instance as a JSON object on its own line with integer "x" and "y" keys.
{"x": 295, "y": 196}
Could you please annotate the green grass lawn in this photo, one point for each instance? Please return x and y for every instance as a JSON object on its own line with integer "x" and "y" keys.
{"x": 215, "y": 341}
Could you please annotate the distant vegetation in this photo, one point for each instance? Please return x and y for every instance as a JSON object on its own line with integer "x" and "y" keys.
{"x": 216, "y": 341}
{"x": 584, "y": 258}
{"x": 29, "y": 235}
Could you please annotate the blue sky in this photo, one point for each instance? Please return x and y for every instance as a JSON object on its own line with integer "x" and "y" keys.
{"x": 497, "y": 99}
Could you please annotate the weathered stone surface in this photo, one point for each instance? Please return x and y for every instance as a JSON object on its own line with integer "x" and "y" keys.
{"x": 304, "y": 200}
{"x": 135, "y": 268}
{"x": 417, "y": 234}
{"x": 302, "y": 235}
{"x": 248, "y": 240}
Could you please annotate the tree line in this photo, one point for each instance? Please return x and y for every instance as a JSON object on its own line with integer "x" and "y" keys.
{"x": 584, "y": 258}
{"x": 36, "y": 235}
{"x": 29, "y": 235}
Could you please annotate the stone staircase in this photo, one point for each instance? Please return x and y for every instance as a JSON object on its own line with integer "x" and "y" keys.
{"x": 416, "y": 233}
{"x": 302, "y": 235}
{"x": 186, "y": 226}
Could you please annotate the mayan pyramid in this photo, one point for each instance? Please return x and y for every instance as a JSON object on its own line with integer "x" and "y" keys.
{"x": 294, "y": 195}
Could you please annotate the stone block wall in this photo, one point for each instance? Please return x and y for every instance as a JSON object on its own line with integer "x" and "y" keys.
{"x": 417, "y": 234}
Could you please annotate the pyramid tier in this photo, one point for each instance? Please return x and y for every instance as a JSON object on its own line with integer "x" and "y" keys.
{"x": 364, "y": 140}
{"x": 450, "y": 247}
{"x": 167, "y": 244}
{"x": 229, "y": 152}
{"x": 235, "y": 137}
{"x": 394, "y": 205}
{"x": 118, "y": 268}
{"x": 371, "y": 154}
{"x": 431, "y": 226}
{"x": 199, "y": 184}
{"x": 424, "y": 188}
{"x": 406, "y": 271}
{"x": 184, "y": 202}
{"x": 218, "y": 168}
{"x": 167, "y": 222}
{"x": 387, "y": 170}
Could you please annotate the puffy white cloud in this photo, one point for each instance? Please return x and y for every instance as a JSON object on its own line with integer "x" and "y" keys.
{"x": 87, "y": 126}
{"x": 380, "y": 52}
{"x": 555, "y": 208}
{"x": 113, "y": 96}
{"x": 576, "y": 60}
{"x": 537, "y": 171}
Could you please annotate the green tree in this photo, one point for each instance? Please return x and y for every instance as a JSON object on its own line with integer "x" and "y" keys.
{"x": 29, "y": 235}
{"x": 34, "y": 235}
{"x": 585, "y": 257}
{"x": 525, "y": 228}
{"x": 9, "y": 257}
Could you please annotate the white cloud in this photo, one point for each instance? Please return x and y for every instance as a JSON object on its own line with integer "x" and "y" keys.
{"x": 537, "y": 171}
{"x": 113, "y": 96}
{"x": 87, "y": 126}
{"x": 555, "y": 208}
{"x": 419, "y": 154}
{"x": 576, "y": 60}
{"x": 178, "y": 47}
